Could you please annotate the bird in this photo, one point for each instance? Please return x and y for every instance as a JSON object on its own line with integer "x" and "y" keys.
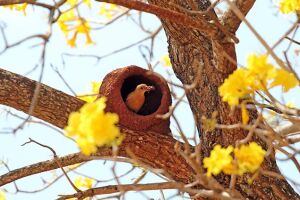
{"x": 136, "y": 99}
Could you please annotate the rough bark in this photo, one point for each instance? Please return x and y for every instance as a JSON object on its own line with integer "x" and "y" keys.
{"x": 189, "y": 50}
{"x": 230, "y": 20}
{"x": 149, "y": 148}
{"x": 54, "y": 107}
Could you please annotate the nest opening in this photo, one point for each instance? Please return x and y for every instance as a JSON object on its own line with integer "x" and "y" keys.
{"x": 152, "y": 98}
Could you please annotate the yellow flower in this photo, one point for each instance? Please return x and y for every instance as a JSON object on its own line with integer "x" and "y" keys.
{"x": 82, "y": 27}
{"x": 219, "y": 159}
{"x": 88, "y": 39}
{"x": 72, "y": 41}
{"x": 18, "y": 7}
{"x": 234, "y": 87}
{"x": 74, "y": 3}
{"x": 2, "y": 195}
{"x": 65, "y": 20}
{"x": 166, "y": 60}
{"x": 258, "y": 64}
{"x": 92, "y": 127}
{"x": 71, "y": 24}
{"x": 83, "y": 182}
{"x": 259, "y": 74}
{"x": 87, "y": 145}
{"x": 108, "y": 10}
{"x": 286, "y": 79}
{"x": 245, "y": 114}
{"x": 88, "y": 3}
{"x": 290, "y": 104}
{"x": 259, "y": 71}
{"x": 231, "y": 168}
{"x": 95, "y": 86}
{"x": 249, "y": 157}
{"x": 288, "y": 6}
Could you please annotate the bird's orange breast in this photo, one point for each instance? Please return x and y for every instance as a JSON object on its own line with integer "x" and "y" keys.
{"x": 135, "y": 101}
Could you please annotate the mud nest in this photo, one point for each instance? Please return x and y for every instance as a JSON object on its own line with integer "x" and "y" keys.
{"x": 119, "y": 83}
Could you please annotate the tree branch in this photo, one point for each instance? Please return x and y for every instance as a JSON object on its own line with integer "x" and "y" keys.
{"x": 230, "y": 20}
{"x": 189, "y": 50}
{"x": 200, "y": 24}
{"x": 110, "y": 189}
{"x": 42, "y": 167}
{"x": 288, "y": 128}
{"x": 54, "y": 107}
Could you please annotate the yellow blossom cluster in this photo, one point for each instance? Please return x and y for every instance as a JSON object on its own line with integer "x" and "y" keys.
{"x": 18, "y": 7}
{"x": 83, "y": 182}
{"x": 288, "y": 6}
{"x": 92, "y": 127}
{"x": 95, "y": 86}
{"x": 219, "y": 158}
{"x": 259, "y": 74}
{"x": 165, "y": 60}
{"x": 72, "y": 25}
{"x": 248, "y": 158}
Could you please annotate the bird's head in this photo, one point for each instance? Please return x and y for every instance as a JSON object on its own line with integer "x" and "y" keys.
{"x": 144, "y": 88}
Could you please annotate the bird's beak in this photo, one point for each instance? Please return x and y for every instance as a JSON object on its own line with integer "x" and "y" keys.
{"x": 150, "y": 88}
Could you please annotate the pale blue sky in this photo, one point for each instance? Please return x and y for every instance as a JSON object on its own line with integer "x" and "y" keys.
{"x": 80, "y": 71}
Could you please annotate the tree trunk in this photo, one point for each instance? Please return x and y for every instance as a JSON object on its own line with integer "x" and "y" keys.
{"x": 195, "y": 56}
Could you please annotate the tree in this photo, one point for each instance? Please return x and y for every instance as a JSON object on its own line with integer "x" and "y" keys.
{"x": 227, "y": 112}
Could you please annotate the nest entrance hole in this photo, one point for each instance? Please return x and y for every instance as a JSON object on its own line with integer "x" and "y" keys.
{"x": 152, "y": 98}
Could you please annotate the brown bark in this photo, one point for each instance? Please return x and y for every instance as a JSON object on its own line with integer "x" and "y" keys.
{"x": 230, "y": 20}
{"x": 54, "y": 107}
{"x": 189, "y": 50}
{"x": 149, "y": 148}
